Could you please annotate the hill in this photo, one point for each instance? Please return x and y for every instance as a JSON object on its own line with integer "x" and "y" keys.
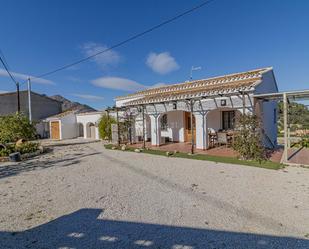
{"x": 68, "y": 105}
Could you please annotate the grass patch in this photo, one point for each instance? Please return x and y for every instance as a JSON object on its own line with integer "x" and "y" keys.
{"x": 217, "y": 159}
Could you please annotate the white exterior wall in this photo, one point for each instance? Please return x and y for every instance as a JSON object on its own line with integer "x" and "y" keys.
{"x": 139, "y": 126}
{"x": 86, "y": 118}
{"x": 155, "y": 130}
{"x": 175, "y": 123}
{"x": 68, "y": 127}
{"x": 201, "y": 138}
{"x": 214, "y": 120}
{"x": 268, "y": 109}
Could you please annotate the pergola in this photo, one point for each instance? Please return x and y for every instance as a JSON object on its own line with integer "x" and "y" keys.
{"x": 198, "y": 97}
{"x": 286, "y": 97}
{"x": 190, "y": 100}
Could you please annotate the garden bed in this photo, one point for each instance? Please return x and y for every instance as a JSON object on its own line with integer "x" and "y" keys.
{"x": 26, "y": 150}
{"x": 264, "y": 164}
{"x": 23, "y": 156}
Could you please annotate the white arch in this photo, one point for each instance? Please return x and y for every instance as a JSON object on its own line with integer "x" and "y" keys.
{"x": 90, "y": 130}
{"x": 80, "y": 129}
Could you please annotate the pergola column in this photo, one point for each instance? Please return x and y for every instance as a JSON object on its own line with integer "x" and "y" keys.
{"x": 285, "y": 127}
{"x": 201, "y": 130}
{"x": 155, "y": 129}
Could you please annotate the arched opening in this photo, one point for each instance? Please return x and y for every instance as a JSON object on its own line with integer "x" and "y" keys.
{"x": 175, "y": 126}
{"x": 138, "y": 126}
{"x": 80, "y": 130}
{"x": 91, "y": 130}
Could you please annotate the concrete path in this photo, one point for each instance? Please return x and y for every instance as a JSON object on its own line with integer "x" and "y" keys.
{"x": 83, "y": 196}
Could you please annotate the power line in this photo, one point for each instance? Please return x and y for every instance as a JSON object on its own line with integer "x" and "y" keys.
{"x": 4, "y": 63}
{"x": 6, "y": 67}
{"x": 127, "y": 40}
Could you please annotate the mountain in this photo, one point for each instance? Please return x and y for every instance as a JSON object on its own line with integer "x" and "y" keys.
{"x": 69, "y": 105}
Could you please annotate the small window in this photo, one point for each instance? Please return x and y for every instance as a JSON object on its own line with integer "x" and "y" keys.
{"x": 164, "y": 124}
{"x": 275, "y": 116}
{"x": 228, "y": 120}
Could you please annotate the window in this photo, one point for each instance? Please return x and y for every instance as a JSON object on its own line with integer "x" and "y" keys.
{"x": 275, "y": 116}
{"x": 228, "y": 118}
{"x": 164, "y": 124}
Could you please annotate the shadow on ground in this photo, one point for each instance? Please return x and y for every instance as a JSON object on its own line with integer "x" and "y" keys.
{"x": 83, "y": 229}
{"x": 11, "y": 169}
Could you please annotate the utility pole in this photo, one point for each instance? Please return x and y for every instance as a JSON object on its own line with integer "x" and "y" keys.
{"x": 29, "y": 100}
{"x": 18, "y": 97}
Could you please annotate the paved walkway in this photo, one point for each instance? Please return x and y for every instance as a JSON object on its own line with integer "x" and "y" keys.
{"x": 299, "y": 156}
{"x": 83, "y": 196}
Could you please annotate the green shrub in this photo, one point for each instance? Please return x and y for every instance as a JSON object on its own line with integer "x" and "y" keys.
{"x": 7, "y": 150}
{"x": 14, "y": 127}
{"x": 305, "y": 142}
{"x": 105, "y": 126}
{"x": 248, "y": 141}
{"x": 27, "y": 147}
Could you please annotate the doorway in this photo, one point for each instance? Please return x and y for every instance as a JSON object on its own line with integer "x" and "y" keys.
{"x": 55, "y": 130}
{"x": 187, "y": 130}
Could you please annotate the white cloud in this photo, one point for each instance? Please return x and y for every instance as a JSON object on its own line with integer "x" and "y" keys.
{"x": 88, "y": 97}
{"x": 162, "y": 63}
{"x": 25, "y": 77}
{"x": 123, "y": 84}
{"x": 106, "y": 59}
{"x": 118, "y": 83}
{"x": 2, "y": 91}
{"x": 160, "y": 84}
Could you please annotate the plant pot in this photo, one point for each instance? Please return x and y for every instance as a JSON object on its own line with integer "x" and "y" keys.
{"x": 15, "y": 157}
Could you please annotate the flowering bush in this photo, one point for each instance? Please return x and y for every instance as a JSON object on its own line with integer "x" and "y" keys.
{"x": 248, "y": 141}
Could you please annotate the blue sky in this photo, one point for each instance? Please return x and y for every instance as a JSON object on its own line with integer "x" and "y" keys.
{"x": 224, "y": 37}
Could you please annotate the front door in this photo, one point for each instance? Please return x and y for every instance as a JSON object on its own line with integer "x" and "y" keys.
{"x": 55, "y": 130}
{"x": 187, "y": 122}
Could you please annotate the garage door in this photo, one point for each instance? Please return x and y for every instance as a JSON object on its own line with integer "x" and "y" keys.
{"x": 55, "y": 130}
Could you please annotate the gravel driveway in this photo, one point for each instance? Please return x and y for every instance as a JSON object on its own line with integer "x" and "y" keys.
{"x": 83, "y": 196}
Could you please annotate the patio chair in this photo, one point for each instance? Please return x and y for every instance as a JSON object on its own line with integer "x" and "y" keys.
{"x": 222, "y": 138}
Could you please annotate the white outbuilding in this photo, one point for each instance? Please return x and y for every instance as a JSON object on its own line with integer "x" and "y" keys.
{"x": 70, "y": 124}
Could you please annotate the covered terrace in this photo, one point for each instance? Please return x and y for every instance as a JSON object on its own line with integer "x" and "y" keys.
{"x": 190, "y": 113}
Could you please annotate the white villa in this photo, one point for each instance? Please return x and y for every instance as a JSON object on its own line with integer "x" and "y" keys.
{"x": 214, "y": 103}
{"x": 175, "y": 113}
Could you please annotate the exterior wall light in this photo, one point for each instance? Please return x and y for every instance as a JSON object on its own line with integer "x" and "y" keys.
{"x": 174, "y": 106}
{"x": 223, "y": 102}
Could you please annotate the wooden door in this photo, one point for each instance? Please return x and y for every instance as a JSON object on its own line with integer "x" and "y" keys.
{"x": 55, "y": 130}
{"x": 187, "y": 122}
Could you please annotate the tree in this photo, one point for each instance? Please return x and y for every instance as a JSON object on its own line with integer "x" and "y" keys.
{"x": 105, "y": 126}
{"x": 298, "y": 116}
{"x": 15, "y": 127}
{"x": 248, "y": 142}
